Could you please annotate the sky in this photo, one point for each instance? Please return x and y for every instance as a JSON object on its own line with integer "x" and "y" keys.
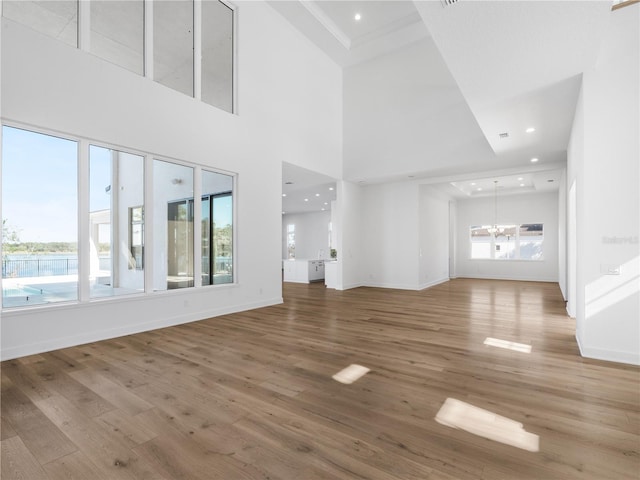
{"x": 39, "y": 185}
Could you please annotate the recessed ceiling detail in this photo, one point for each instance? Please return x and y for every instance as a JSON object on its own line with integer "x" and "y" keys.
{"x": 383, "y": 26}
{"x": 543, "y": 181}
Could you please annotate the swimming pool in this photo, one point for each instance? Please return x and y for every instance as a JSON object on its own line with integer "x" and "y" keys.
{"x": 20, "y": 291}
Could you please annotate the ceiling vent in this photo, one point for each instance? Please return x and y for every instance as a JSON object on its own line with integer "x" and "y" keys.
{"x": 448, "y": 2}
{"x": 504, "y": 135}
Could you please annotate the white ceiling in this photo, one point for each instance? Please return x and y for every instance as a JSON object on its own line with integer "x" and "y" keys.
{"x": 454, "y": 77}
{"x": 299, "y": 184}
{"x": 384, "y": 27}
{"x": 530, "y": 182}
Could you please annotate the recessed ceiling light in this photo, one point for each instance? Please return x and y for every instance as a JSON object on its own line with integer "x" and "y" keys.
{"x": 473, "y": 184}
{"x": 357, "y": 17}
{"x": 330, "y": 188}
{"x": 284, "y": 213}
{"x": 322, "y": 209}
{"x": 326, "y": 203}
{"x": 520, "y": 179}
{"x": 479, "y": 189}
{"x": 317, "y": 194}
{"x": 522, "y": 184}
{"x": 530, "y": 130}
{"x": 534, "y": 160}
{"x": 284, "y": 194}
{"x": 306, "y": 199}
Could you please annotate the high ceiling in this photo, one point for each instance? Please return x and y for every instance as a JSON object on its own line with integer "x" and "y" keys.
{"x": 431, "y": 88}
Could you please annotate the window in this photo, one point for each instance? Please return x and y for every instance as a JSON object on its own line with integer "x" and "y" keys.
{"x": 531, "y": 239}
{"x": 217, "y": 55}
{"x": 172, "y": 225}
{"x": 507, "y": 242}
{"x": 116, "y": 182}
{"x": 173, "y": 44}
{"x": 291, "y": 241}
{"x": 56, "y": 18}
{"x": 117, "y": 32}
{"x": 39, "y": 216}
{"x": 39, "y": 206}
{"x": 217, "y": 228}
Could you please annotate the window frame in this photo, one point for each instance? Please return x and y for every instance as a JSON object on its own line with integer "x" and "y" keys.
{"x": 493, "y": 244}
{"x": 83, "y": 297}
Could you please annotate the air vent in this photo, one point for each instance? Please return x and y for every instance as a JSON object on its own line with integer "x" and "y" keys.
{"x": 448, "y": 2}
{"x": 504, "y": 135}
{"x": 288, "y": 183}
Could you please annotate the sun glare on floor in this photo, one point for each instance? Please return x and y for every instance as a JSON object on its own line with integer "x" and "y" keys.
{"x": 518, "y": 347}
{"x": 350, "y": 374}
{"x": 457, "y": 414}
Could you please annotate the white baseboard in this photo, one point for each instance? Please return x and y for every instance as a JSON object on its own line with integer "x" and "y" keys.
{"x": 96, "y": 336}
{"x": 500, "y": 277}
{"x": 395, "y": 286}
{"x": 433, "y": 283}
{"x": 349, "y": 286}
{"x": 631, "y": 358}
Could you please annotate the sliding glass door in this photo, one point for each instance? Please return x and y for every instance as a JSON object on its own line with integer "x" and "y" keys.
{"x": 217, "y": 235}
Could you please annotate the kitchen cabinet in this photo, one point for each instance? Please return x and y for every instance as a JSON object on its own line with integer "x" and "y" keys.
{"x": 303, "y": 270}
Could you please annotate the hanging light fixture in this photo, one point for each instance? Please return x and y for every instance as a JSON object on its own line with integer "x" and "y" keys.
{"x": 495, "y": 230}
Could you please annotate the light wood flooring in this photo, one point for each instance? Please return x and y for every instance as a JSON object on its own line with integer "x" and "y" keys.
{"x": 251, "y": 395}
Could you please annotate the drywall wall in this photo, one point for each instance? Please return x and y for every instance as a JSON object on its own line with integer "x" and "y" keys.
{"x": 312, "y": 234}
{"x": 562, "y": 234}
{"x": 390, "y": 235}
{"x": 604, "y": 165}
{"x": 513, "y": 209}
{"x": 49, "y": 85}
{"x": 434, "y": 237}
{"x": 350, "y": 235}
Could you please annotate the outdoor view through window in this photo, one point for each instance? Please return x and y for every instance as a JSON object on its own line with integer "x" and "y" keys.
{"x": 39, "y": 225}
{"x": 41, "y": 263}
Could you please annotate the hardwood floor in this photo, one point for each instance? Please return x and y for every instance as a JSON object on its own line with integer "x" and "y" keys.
{"x": 251, "y": 395}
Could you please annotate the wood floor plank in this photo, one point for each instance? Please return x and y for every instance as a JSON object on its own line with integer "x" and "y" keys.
{"x": 44, "y": 440}
{"x": 115, "y": 394}
{"x": 100, "y": 445}
{"x": 75, "y": 466}
{"x": 251, "y": 395}
{"x": 17, "y": 462}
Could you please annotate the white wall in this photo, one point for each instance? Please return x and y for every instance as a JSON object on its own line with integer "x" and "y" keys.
{"x": 312, "y": 234}
{"x": 575, "y": 206}
{"x": 603, "y": 161}
{"x": 513, "y": 209}
{"x": 390, "y": 226}
{"x": 350, "y": 235}
{"x": 434, "y": 237}
{"x": 290, "y": 109}
{"x": 562, "y": 234}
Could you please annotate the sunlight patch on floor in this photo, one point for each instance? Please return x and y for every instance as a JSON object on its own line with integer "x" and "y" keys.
{"x": 518, "y": 347}
{"x": 351, "y": 374}
{"x": 457, "y": 414}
